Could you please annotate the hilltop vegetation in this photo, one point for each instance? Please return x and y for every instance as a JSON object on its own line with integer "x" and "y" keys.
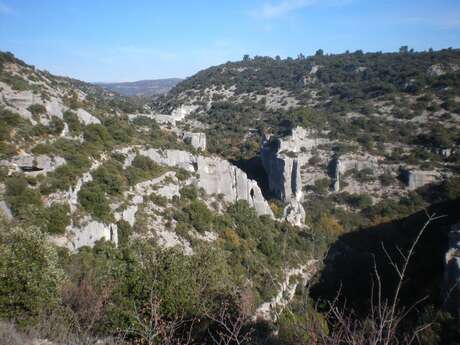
{"x": 363, "y": 97}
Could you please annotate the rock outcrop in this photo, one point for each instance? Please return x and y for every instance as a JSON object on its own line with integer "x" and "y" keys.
{"x": 215, "y": 175}
{"x": 270, "y": 311}
{"x": 294, "y": 213}
{"x": 87, "y": 233}
{"x": 417, "y": 178}
{"x": 340, "y": 166}
{"x": 86, "y": 118}
{"x": 197, "y": 140}
{"x": 33, "y": 164}
{"x": 282, "y": 168}
{"x": 452, "y": 271}
{"x": 176, "y": 115}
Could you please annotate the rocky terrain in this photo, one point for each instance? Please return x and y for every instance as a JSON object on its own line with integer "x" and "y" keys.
{"x": 264, "y": 163}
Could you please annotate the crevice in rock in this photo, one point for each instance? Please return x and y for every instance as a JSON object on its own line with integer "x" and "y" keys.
{"x": 30, "y": 168}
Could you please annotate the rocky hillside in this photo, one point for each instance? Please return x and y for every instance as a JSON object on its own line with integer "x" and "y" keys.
{"x": 214, "y": 205}
{"x": 142, "y": 88}
{"x": 80, "y": 167}
{"x": 359, "y": 130}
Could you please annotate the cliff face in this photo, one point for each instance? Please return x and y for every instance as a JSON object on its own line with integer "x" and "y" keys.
{"x": 282, "y": 167}
{"x": 214, "y": 175}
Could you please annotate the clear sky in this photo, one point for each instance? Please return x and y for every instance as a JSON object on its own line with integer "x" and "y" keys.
{"x": 114, "y": 40}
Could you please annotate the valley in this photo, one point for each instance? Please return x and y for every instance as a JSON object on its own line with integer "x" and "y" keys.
{"x": 254, "y": 194}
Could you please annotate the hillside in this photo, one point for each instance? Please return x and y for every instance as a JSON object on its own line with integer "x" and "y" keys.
{"x": 142, "y": 88}
{"x": 358, "y": 129}
{"x": 85, "y": 176}
{"x": 205, "y": 215}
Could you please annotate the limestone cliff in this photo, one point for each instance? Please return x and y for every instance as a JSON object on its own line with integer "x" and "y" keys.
{"x": 282, "y": 168}
{"x": 215, "y": 175}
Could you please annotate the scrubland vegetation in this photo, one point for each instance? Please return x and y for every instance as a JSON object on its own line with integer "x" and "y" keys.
{"x": 142, "y": 293}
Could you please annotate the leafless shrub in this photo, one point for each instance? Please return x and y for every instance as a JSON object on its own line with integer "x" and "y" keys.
{"x": 150, "y": 327}
{"x": 382, "y": 326}
{"x": 232, "y": 326}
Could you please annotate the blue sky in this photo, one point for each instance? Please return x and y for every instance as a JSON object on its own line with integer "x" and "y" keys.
{"x": 144, "y": 39}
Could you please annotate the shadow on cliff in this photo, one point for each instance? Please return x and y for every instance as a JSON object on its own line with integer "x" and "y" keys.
{"x": 349, "y": 265}
{"x": 254, "y": 169}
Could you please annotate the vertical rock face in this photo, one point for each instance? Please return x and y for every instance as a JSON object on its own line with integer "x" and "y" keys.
{"x": 415, "y": 178}
{"x": 280, "y": 162}
{"x": 283, "y": 171}
{"x": 216, "y": 176}
{"x": 197, "y": 140}
{"x": 452, "y": 271}
{"x": 340, "y": 166}
{"x": 89, "y": 231}
{"x": 337, "y": 170}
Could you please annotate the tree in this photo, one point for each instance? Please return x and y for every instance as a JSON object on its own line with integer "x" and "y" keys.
{"x": 319, "y": 52}
{"x": 246, "y": 57}
{"x": 404, "y": 49}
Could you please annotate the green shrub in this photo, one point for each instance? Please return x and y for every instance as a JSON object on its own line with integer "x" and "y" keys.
{"x": 109, "y": 177}
{"x": 93, "y": 199}
{"x": 125, "y": 231}
{"x": 322, "y": 185}
{"x": 55, "y": 126}
{"x": 43, "y": 149}
{"x": 73, "y": 122}
{"x": 22, "y": 200}
{"x": 30, "y": 274}
{"x": 58, "y": 216}
{"x": 98, "y": 136}
{"x": 37, "y": 109}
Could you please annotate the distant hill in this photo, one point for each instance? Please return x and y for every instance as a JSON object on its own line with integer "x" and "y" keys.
{"x": 145, "y": 88}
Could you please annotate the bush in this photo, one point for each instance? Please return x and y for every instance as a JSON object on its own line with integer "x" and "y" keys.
{"x": 58, "y": 218}
{"x": 55, "y": 126}
{"x": 109, "y": 177}
{"x": 143, "y": 168}
{"x": 322, "y": 185}
{"x": 30, "y": 274}
{"x": 73, "y": 122}
{"x": 43, "y": 149}
{"x": 92, "y": 198}
{"x": 98, "y": 135}
{"x": 21, "y": 199}
{"x": 37, "y": 109}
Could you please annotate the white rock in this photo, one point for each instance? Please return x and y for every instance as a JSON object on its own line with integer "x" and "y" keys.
{"x": 86, "y": 118}
{"x": 5, "y": 211}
